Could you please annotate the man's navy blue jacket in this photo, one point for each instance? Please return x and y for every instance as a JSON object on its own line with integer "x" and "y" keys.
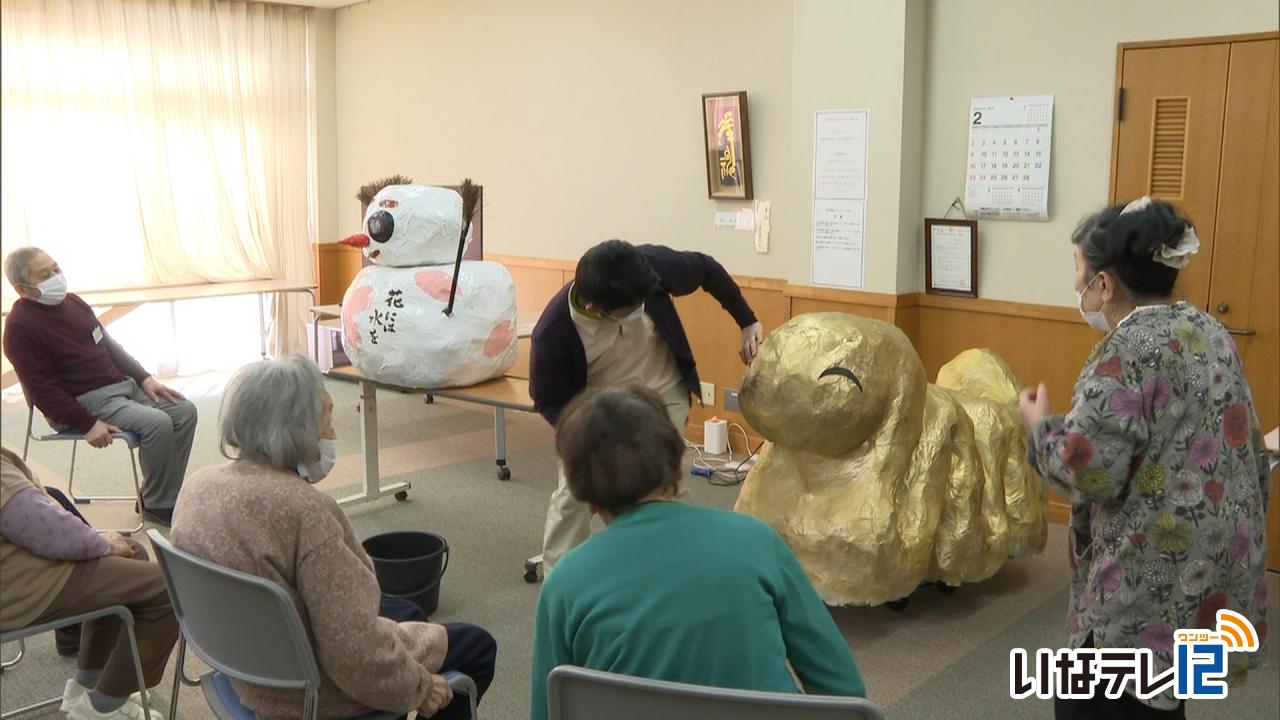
{"x": 558, "y": 362}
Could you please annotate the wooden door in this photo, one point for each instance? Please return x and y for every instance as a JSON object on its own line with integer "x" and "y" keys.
{"x": 1198, "y": 125}
{"x": 1244, "y": 291}
{"x": 1169, "y": 140}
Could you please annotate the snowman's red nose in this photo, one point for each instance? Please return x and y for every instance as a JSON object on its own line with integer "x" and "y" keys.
{"x": 359, "y": 240}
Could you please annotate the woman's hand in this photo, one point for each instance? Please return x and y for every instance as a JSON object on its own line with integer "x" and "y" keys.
{"x": 752, "y": 336}
{"x": 1034, "y": 404}
{"x": 440, "y": 696}
{"x": 119, "y": 544}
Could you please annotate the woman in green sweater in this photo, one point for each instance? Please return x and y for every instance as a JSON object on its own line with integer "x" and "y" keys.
{"x": 672, "y": 591}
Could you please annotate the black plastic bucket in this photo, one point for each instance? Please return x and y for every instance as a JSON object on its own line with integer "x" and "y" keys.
{"x": 410, "y": 566}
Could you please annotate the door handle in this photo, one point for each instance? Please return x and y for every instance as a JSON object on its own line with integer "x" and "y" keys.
{"x": 1242, "y": 331}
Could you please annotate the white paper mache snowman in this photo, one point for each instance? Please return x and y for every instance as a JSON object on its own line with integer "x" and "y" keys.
{"x": 394, "y": 327}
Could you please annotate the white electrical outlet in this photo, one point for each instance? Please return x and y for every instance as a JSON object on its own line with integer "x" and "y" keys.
{"x": 709, "y": 394}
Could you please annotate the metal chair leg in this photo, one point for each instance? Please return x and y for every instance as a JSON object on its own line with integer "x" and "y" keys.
{"x": 118, "y": 611}
{"x": 26, "y": 441}
{"x": 179, "y": 674}
{"x": 71, "y": 476}
{"x": 88, "y": 499}
{"x": 311, "y": 707}
{"x": 51, "y": 702}
{"x": 137, "y": 668}
{"x": 22, "y": 650}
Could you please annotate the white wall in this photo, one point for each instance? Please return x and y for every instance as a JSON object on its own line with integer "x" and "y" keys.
{"x": 849, "y": 54}
{"x": 581, "y": 119}
{"x": 982, "y": 48}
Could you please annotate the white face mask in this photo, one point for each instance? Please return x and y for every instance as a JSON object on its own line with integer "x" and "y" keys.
{"x": 1095, "y": 318}
{"x": 53, "y": 290}
{"x": 319, "y": 470}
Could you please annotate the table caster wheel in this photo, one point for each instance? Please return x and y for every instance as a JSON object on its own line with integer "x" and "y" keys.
{"x": 898, "y": 605}
{"x": 402, "y": 495}
{"x": 429, "y": 399}
{"x": 531, "y": 572}
{"x": 504, "y": 473}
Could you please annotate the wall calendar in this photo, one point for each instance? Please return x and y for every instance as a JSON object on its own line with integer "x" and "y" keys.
{"x": 1008, "y": 165}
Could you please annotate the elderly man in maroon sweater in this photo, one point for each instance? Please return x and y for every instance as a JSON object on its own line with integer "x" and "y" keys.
{"x": 82, "y": 380}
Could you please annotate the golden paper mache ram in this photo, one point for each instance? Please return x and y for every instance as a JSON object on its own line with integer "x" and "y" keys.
{"x": 877, "y": 479}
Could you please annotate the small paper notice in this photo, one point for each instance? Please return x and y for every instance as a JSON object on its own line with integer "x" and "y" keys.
{"x": 837, "y": 242}
{"x": 726, "y": 219}
{"x": 951, "y": 258}
{"x": 746, "y": 220}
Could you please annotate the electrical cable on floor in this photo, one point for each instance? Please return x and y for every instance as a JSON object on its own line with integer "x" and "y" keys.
{"x": 723, "y": 476}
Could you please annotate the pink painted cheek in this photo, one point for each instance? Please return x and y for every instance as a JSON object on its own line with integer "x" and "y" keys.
{"x": 499, "y": 339}
{"x": 360, "y": 300}
{"x": 436, "y": 284}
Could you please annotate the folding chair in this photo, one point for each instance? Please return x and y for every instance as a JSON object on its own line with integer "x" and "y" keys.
{"x": 131, "y": 440}
{"x": 119, "y": 611}
{"x": 247, "y": 628}
{"x": 575, "y": 693}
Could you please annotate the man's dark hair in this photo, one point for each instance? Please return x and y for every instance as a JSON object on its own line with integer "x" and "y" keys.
{"x": 617, "y": 446}
{"x": 614, "y": 275}
{"x": 1126, "y": 245}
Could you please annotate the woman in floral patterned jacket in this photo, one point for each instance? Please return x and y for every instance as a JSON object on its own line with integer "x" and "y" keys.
{"x": 1160, "y": 455}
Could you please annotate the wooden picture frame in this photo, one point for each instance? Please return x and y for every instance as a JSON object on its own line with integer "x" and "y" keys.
{"x": 957, "y": 274}
{"x": 727, "y": 145}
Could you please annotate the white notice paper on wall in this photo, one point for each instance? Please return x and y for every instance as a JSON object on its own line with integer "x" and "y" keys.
{"x": 1007, "y": 173}
{"x": 838, "y": 242}
{"x": 839, "y": 197}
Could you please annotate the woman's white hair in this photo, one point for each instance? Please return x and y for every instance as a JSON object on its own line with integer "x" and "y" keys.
{"x": 271, "y": 412}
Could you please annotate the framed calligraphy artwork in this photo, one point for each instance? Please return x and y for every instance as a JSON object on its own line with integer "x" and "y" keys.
{"x": 728, "y": 145}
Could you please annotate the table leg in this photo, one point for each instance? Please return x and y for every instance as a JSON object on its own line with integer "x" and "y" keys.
{"x": 369, "y": 437}
{"x": 262, "y": 329}
{"x": 372, "y": 485}
{"x": 500, "y": 442}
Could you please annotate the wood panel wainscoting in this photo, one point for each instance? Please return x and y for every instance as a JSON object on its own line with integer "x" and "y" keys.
{"x": 1043, "y": 343}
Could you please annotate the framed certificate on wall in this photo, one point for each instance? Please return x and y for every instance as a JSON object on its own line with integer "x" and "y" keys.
{"x": 951, "y": 257}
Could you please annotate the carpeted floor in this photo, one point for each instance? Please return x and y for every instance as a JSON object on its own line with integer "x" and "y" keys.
{"x": 944, "y": 656}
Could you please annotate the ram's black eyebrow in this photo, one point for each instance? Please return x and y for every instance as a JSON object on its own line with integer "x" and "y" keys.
{"x": 842, "y": 372}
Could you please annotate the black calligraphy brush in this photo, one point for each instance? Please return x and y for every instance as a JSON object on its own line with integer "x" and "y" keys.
{"x": 470, "y": 197}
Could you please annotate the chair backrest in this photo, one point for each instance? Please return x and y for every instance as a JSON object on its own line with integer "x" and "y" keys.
{"x": 575, "y": 693}
{"x": 241, "y": 624}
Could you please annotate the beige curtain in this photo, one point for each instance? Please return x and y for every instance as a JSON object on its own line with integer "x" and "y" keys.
{"x": 161, "y": 142}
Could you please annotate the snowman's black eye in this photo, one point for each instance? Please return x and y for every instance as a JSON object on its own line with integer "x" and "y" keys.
{"x": 381, "y": 226}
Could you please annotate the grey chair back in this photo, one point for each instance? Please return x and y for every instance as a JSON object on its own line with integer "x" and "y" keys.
{"x": 575, "y": 693}
{"x": 240, "y": 624}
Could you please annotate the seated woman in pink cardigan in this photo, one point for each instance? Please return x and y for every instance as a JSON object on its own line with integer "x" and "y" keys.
{"x": 260, "y": 514}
